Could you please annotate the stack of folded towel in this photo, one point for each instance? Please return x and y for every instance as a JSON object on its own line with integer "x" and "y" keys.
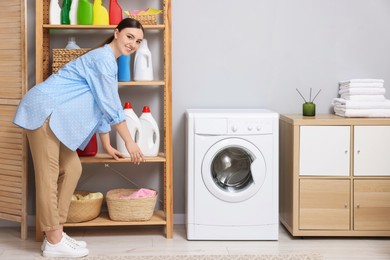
{"x": 362, "y": 98}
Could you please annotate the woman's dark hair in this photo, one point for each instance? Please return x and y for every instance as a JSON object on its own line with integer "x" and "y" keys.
{"x": 125, "y": 23}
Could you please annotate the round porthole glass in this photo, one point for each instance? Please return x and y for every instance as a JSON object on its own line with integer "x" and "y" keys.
{"x": 231, "y": 169}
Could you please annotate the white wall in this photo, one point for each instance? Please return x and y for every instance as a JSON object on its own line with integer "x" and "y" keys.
{"x": 254, "y": 54}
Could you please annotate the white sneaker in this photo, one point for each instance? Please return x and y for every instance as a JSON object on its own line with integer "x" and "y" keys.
{"x": 79, "y": 243}
{"x": 64, "y": 248}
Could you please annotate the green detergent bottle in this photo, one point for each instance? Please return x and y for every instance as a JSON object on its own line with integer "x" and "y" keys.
{"x": 65, "y": 11}
{"x": 85, "y": 12}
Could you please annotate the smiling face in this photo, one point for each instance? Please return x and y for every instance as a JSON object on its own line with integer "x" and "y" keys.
{"x": 127, "y": 41}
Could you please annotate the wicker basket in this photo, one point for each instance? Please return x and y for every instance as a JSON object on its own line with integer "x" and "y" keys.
{"x": 145, "y": 19}
{"x": 63, "y": 56}
{"x": 84, "y": 210}
{"x": 137, "y": 209}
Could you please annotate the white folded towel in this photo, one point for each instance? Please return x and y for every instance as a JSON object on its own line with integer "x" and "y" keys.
{"x": 363, "y": 97}
{"x": 363, "y": 91}
{"x": 362, "y": 81}
{"x": 342, "y": 103}
{"x": 361, "y": 85}
{"x": 362, "y": 112}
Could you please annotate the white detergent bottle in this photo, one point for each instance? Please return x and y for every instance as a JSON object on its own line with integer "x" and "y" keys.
{"x": 54, "y": 12}
{"x": 73, "y": 12}
{"x": 143, "y": 68}
{"x": 72, "y": 44}
{"x": 150, "y": 141}
{"x": 134, "y": 126}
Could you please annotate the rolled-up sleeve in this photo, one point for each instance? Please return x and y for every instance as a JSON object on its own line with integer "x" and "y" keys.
{"x": 103, "y": 127}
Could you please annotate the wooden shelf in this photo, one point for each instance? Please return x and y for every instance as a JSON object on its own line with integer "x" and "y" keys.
{"x": 96, "y": 27}
{"x": 105, "y": 158}
{"x": 158, "y": 218}
{"x": 45, "y": 31}
{"x": 141, "y": 83}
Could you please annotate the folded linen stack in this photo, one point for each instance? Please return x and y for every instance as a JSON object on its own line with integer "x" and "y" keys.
{"x": 362, "y": 98}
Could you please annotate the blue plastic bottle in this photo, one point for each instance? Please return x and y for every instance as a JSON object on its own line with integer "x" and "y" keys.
{"x": 124, "y": 68}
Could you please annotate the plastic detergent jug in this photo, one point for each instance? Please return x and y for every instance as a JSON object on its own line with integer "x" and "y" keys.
{"x": 54, "y": 12}
{"x": 73, "y": 12}
{"x": 143, "y": 69}
{"x": 65, "y": 11}
{"x": 90, "y": 149}
{"x": 72, "y": 44}
{"x": 100, "y": 14}
{"x": 150, "y": 141}
{"x": 134, "y": 126}
{"x": 115, "y": 12}
{"x": 84, "y": 12}
{"x": 124, "y": 68}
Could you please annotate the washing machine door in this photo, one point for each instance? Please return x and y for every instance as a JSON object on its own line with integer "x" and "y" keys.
{"x": 233, "y": 169}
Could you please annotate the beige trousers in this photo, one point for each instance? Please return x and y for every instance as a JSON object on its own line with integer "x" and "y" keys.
{"x": 57, "y": 171}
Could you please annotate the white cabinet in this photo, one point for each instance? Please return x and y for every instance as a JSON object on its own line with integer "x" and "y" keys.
{"x": 324, "y": 150}
{"x": 334, "y": 175}
{"x": 371, "y": 151}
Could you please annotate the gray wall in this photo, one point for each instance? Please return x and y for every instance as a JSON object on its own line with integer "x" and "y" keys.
{"x": 252, "y": 54}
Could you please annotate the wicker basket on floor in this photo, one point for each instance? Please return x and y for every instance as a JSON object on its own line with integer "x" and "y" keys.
{"x": 145, "y": 19}
{"x": 136, "y": 209}
{"x": 63, "y": 56}
{"x": 84, "y": 210}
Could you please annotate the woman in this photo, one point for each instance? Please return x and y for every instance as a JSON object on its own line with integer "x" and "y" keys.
{"x": 60, "y": 115}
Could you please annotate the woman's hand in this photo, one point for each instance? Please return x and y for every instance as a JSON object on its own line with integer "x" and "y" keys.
{"x": 113, "y": 152}
{"x": 135, "y": 152}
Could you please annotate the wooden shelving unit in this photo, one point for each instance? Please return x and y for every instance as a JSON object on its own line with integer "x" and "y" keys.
{"x": 161, "y": 217}
{"x": 158, "y": 219}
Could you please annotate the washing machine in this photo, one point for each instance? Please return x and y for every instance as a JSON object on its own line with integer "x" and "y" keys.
{"x": 232, "y": 174}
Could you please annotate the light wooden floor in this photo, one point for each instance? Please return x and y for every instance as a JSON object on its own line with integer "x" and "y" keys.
{"x": 129, "y": 241}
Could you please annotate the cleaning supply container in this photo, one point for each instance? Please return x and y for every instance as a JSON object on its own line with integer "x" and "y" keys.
{"x": 150, "y": 141}
{"x": 134, "y": 126}
{"x": 124, "y": 68}
{"x": 65, "y": 11}
{"x": 115, "y": 12}
{"x": 100, "y": 13}
{"x": 90, "y": 149}
{"x": 143, "y": 67}
{"x": 72, "y": 44}
{"x": 85, "y": 12}
{"x": 73, "y": 12}
{"x": 54, "y": 12}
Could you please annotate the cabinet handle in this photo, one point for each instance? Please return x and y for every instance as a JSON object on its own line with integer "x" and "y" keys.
{"x": 345, "y": 205}
{"x": 358, "y": 151}
{"x": 346, "y": 151}
{"x": 357, "y": 205}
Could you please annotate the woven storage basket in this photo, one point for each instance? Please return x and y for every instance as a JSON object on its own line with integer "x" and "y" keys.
{"x": 137, "y": 209}
{"x": 84, "y": 210}
{"x": 63, "y": 56}
{"x": 145, "y": 19}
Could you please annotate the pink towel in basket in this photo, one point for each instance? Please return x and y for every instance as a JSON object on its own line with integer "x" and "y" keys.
{"x": 141, "y": 193}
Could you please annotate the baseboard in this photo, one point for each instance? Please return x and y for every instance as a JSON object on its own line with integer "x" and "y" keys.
{"x": 178, "y": 219}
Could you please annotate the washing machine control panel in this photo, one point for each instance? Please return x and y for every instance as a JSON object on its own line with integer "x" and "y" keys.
{"x": 250, "y": 126}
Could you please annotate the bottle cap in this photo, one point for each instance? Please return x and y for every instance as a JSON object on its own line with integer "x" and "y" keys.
{"x": 146, "y": 109}
{"x": 128, "y": 105}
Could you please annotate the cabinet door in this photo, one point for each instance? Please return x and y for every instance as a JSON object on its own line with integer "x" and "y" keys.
{"x": 371, "y": 151}
{"x": 324, "y": 150}
{"x": 372, "y": 204}
{"x": 324, "y": 204}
